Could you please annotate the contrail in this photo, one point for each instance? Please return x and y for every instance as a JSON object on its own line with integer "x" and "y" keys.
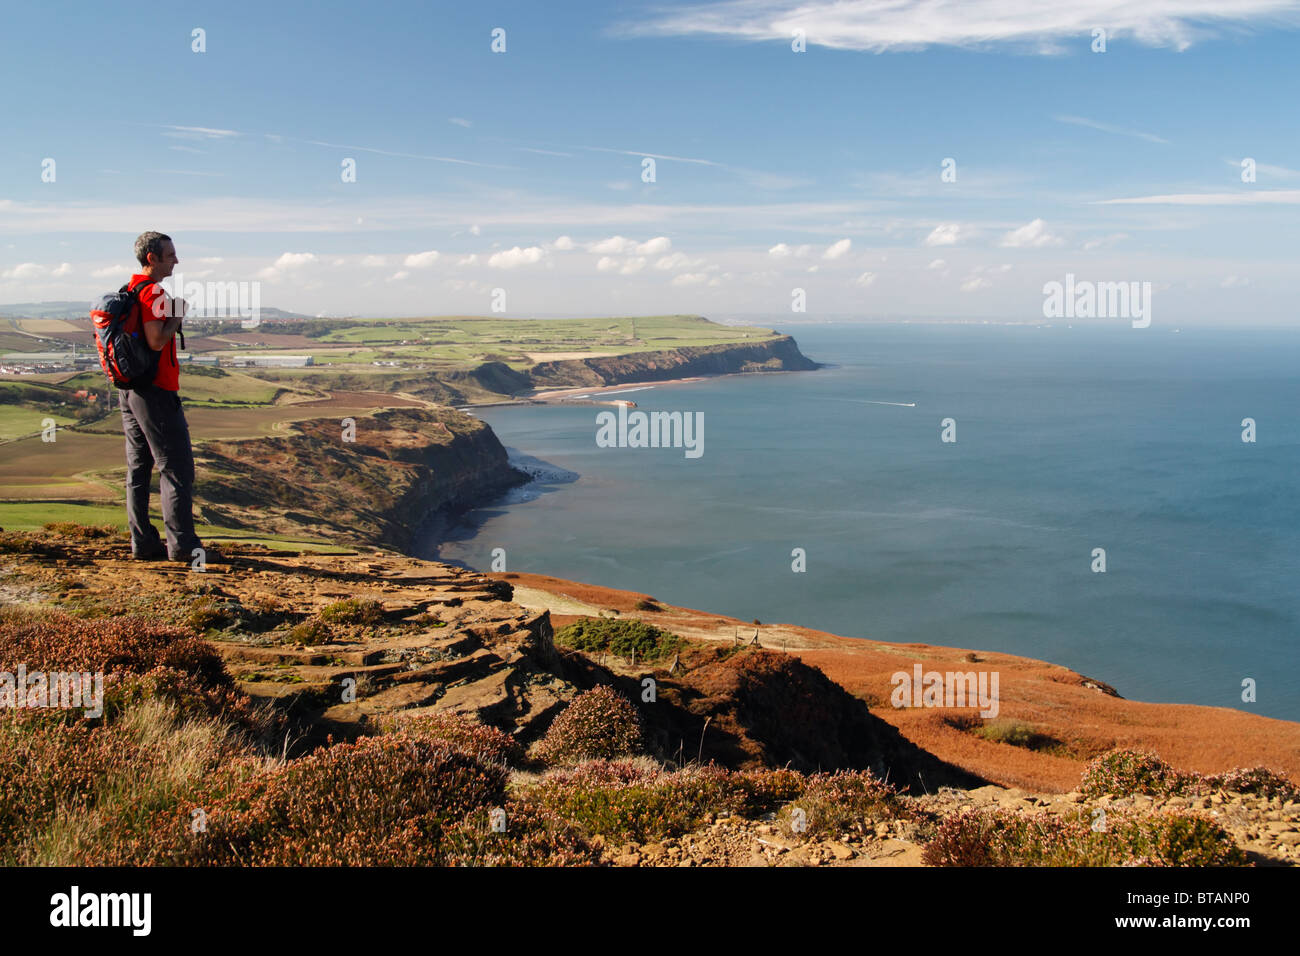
{"x": 865, "y": 401}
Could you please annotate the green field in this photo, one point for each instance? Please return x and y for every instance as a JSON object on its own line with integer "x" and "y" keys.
{"x": 86, "y": 466}
{"x": 33, "y": 516}
{"x": 455, "y": 342}
{"x": 16, "y": 420}
{"x": 229, "y": 386}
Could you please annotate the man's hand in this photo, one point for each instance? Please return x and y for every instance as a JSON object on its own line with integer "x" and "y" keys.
{"x": 158, "y": 334}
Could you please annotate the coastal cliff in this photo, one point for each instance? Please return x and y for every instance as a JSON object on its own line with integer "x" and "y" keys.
{"x": 777, "y": 354}
{"x": 401, "y": 467}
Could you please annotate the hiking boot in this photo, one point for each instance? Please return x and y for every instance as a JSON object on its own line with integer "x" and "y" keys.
{"x": 155, "y": 552}
{"x": 210, "y": 555}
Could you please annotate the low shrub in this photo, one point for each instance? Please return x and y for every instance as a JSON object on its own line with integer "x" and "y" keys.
{"x": 1000, "y": 837}
{"x": 598, "y": 724}
{"x": 389, "y": 800}
{"x": 456, "y": 732}
{"x": 311, "y": 631}
{"x": 353, "y": 611}
{"x": 1123, "y": 773}
{"x": 1255, "y": 780}
{"x": 847, "y": 801}
{"x": 621, "y": 637}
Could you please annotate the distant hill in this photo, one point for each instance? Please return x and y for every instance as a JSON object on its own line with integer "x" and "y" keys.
{"x": 81, "y": 309}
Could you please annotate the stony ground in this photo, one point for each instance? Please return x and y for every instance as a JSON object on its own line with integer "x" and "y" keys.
{"x": 1268, "y": 830}
{"x": 454, "y": 640}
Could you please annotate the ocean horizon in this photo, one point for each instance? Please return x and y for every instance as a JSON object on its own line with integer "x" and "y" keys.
{"x": 1068, "y": 439}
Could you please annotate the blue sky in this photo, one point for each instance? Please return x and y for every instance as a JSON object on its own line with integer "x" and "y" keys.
{"x": 775, "y": 170}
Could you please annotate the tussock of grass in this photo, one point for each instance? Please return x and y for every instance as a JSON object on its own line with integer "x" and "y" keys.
{"x": 353, "y": 611}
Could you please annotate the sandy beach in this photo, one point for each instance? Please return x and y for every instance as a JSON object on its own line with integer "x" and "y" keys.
{"x": 558, "y": 395}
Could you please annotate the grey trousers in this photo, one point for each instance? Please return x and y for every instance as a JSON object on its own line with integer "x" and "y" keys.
{"x": 157, "y": 433}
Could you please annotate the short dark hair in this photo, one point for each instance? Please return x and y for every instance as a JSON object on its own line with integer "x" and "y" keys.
{"x": 148, "y": 242}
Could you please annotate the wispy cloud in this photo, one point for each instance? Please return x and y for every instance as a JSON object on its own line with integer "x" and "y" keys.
{"x": 1278, "y": 172}
{"x": 880, "y": 25}
{"x": 544, "y": 152}
{"x": 459, "y": 121}
{"x": 389, "y": 152}
{"x": 1246, "y": 197}
{"x": 200, "y": 132}
{"x": 1108, "y": 128}
{"x": 632, "y": 152}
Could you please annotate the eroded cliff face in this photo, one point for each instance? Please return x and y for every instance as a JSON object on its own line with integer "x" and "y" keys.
{"x": 402, "y": 466}
{"x": 776, "y": 354}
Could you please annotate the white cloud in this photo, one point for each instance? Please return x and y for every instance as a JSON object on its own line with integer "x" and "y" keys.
{"x": 110, "y": 271}
{"x": 469, "y": 260}
{"x": 877, "y": 26}
{"x": 422, "y": 260}
{"x": 865, "y": 279}
{"x": 690, "y": 278}
{"x": 606, "y": 264}
{"x": 475, "y": 230}
{"x": 63, "y": 270}
{"x": 1246, "y": 197}
{"x": 1032, "y": 235}
{"x": 398, "y": 276}
{"x": 632, "y": 266}
{"x": 654, "y": 247}
{"x": 780, "y": 251}
{"x": 936, "y": 264}
{"x": 458, "y": 121}
{"x": 1108, "y": 128}
{"x": 26, "y": 270}
{"x": 677, "y": 260}
{"x": 613, "y": 244}
{"x": 374, "y": 262}
{"x": 1233, "y": 281}
{"x": 837, "y": 249}
{"x": 287, "y": 262}
{"x": 564, "y": 243}
{"x": 1105, "y": 241}
{"x": 200, "y": 132}
{"x": 944, "y": 234}
{"x": 975, "y": 283}
{"x": 511, "y": 258}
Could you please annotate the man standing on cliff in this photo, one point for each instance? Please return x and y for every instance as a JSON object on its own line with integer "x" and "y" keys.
{"x": 153, "y": 420}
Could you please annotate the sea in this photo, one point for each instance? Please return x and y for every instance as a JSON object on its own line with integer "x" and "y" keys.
{"x": 1096, "y": 505}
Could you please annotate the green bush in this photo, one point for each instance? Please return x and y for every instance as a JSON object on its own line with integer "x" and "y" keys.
{"x": 621, "y": 637}
{"x": 598, "y": 724}
{"x": 1123, "y": 773}
{"x": 460, "y": 733}
{"x": 848, "y": 801}
{"x": 1256, "y": 780}
{"x": 988, "y": 837}
{"x": 311, "y": 631}
{"x": 353, "y": 611}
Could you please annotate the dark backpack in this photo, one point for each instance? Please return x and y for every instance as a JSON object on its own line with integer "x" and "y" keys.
{"x": 124, "y": 352}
